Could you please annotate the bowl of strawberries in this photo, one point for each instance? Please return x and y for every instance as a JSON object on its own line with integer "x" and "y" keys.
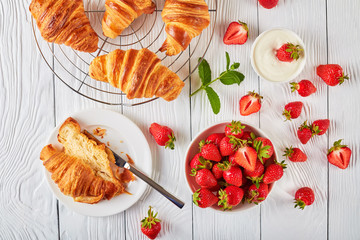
{"x": 231, "y": 166}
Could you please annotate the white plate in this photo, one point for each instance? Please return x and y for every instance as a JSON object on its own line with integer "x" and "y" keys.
{"x": 124, "y": 137}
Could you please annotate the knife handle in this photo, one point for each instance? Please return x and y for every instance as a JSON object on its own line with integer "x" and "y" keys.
{"x": 154, "y": 185}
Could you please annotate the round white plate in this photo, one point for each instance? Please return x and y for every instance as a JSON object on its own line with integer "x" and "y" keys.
{"x": 124, "y": 137}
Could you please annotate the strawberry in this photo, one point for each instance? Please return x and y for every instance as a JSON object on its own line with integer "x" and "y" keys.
{"x": 204, "y": 198}
{"x": 257, "y": 175}
{"x": 234, "y": 129}
{"x": 236, "y": 33}
{"x": 214, "y": 188}
{"x": 232, "y": 175}
{"x": 227, "y": 147}
{"x": 295, "y": 154}
{"x": 150, "y": 225}
{"x": 304, "y": 133}
{"x": 215, "y": 138}
{"x": 230, "y": 197}
{"x": 339, "y": 155}
{"x": 248, "y": 136}
{"x": 268, "y": 4}
{"x": 250, "y": 103}
{"x": 319, "y": 127}
{"x": 198, "y": 162}
{"x": 331, "y": 74}
{"x": 204, "y": 178}
{"x": 264, "y": 148}
{"x": 274, "y": 172}
{"x": 257, "y": 194}
{"x": 209, "y": 151}
{"x": 292, "y": 110}
{"x": 246, "y": 157}
{"x": 289, "y": 52}
{"x": 304, "y": 87}
{"x": 304, "y": 197}
{"x": 217, "y": 171}
{"x": 163, "y": 135}
{"x": 232, "y": 161}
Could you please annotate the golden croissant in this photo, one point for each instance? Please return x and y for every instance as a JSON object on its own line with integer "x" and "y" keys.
{"x": 119, "y": 14}
{"x": 184, "y": 20}
{"x": 138, "y": 73}
{"x": 64, "y": 22}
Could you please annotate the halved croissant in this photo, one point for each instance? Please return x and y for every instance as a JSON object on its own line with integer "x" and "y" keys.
{"x": 64, "y": 22}
{"x": 138, "y": 73}
{"x": 75, "y": 178}
{"x": 184, "y": 19}
{"x": 120, "y": 14}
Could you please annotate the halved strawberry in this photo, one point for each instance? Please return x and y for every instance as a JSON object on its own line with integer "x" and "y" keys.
{"x": 246, "y": 157}
{"x": 250, "y": 103}
{"x": 236, "y": 33}
{"x": 339, "y": 155}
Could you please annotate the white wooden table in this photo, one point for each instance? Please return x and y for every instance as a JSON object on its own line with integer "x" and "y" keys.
{"x": 33, "y": 101}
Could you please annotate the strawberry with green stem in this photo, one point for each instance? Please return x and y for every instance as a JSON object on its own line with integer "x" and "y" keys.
{"x": 304, "y": 197}
{"x": 230, "y": 197}
{"x": 274, "y": 172}
{"x": 234, "y": 129}
{"x": 232, "y": 175}
{"x": 319, "y": 127}
{"x": 163, "y": 135}
{"x": 250, "y": 103}
{"x": 331, "y": 74}
{"x": 295, "y": 154}
{"x": 339, "y": 155}
{"x": 304, "y": 88}
{"x": 204, "y": 198}
{"x": 198, "y": 162}
{"x": 209, "y": 151}
{"x": 257, "y": 194}
{"x": 289, "y": 52}
{"x": 151, "y": 225}
{"x": 204, "y": 178}
{"x": 292, "y": 110}
{"x": 264, "y": 148}
{"x": 257, "y": 175}
{"x": 304, "y": 133}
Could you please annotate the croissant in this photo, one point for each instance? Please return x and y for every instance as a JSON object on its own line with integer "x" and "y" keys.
{"x": 119, "y": 14}
{"x": 75, "y": 178}
{"x": 64, "y": 22}
{"x": 138, "y": 73}
{"x": 184, "y": 19}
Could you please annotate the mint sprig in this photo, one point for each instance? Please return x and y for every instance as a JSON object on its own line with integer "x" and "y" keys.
{"x": 228, "y": 77}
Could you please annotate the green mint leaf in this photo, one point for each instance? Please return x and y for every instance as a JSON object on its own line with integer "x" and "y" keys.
{"x": 232, "y": 77}
{"x": 235, "y": 66}
{"x": 227, "y": 60}
{"x": 214, "y": 99}
{"x": 204, "y": 72}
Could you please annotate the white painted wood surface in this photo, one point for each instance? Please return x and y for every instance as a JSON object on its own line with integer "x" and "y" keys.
{"x": 32, "y": 102}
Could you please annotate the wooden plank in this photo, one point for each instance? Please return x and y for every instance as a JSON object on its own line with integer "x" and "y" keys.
{"x": 209, "y": 224}
{"x": 28, "y": 208}
{"x": 344, "y": 211}
{"x": 278, "y": 212}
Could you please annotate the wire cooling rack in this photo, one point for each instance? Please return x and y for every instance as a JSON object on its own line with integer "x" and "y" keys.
{"x": 148, "y": 31}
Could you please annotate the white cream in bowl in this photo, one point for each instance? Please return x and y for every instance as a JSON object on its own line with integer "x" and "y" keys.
{"x": 265, "y": 62}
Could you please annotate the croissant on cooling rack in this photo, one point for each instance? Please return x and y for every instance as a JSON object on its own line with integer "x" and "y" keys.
{"x": 138, "y": 73}
{"x": 184, "y": 20}
{"x": 64, "y": 22}
{"x": 119, "y": 14}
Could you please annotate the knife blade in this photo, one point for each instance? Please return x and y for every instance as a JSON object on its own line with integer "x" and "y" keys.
{"x": 120, "y": 162}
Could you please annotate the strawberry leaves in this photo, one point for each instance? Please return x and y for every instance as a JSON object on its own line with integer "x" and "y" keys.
{"x": 229, "y": 77}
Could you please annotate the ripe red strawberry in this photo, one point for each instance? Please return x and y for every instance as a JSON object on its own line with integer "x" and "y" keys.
{"x": 268, "y": 4}
{"x": 250, "y": 103}
{"x": 234, "y": 129}
{"x": 289, "y": 52}
{"x": 150, "y": 225}
{"x": 227, "y": 147}
{"x": 236, "y": 33}
{"x": 163, "y": 135}
{"x": 248, "y": 136}
{"x": 255, "y": 176}
{"x": 339, "y": 155}
{"x": 332, "y": 74}
{"x": 217, "y": 171}
{"x": 292, "y": 110}
{"x": 257, "y": 194}
{"x": 232, "y": 161}
{"x": 274, "y": 172}
{"x": 205, "y": 178}
{"x": 204, "y": 198}
{"x": 232, "y": 175}
{"x": 319, "y": 127}
{"x": 295, "y": 154}
{"x": 304, "y": 197}
{"x": 304, "y": 87}
{"x": 209, "y": 151}
{"x": 198, "y": 162}
{"x": 230, "y": 197}
{"x": 264, "y": 148}
{"x": 246, "y": 157}
{"x": 215, "y": 138}
{"x": 304, "y": 133}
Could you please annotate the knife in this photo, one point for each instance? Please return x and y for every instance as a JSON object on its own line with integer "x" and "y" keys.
{"x": 120, "y": 162}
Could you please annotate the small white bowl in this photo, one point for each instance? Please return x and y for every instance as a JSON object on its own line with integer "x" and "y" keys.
{"x": 302, "y": 59}
{"x": 193, "y": 149}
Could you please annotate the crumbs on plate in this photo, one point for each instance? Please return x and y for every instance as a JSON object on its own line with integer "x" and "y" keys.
{"x": 99, "y": 132}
